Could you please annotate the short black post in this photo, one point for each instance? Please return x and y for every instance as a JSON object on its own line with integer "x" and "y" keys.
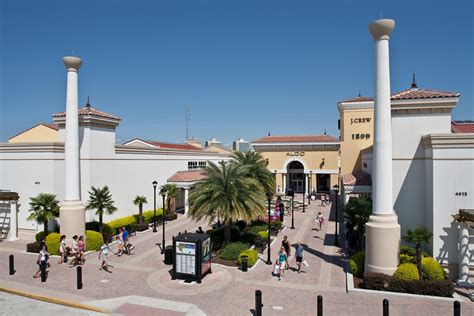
{"x": 43, "y": 271}
{"x": 385, "y": 307}
{"x": 457, "y": 308}
{"x": 12, "y": 265}
{"x": 320, "y": 305}
{"x": 79, "y": 277}
{"x": 258, "y": 303}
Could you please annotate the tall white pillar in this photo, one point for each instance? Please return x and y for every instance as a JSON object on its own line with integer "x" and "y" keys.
{"x": 382, "y": 230}
{"x": 463, "y": 254}
{"x": 284, "y": 183}
{"x": 13, "y": 232}
{"x": 306, "y": 188}
{"x": 186, "y": 206}
{"x": 72, "y": 213}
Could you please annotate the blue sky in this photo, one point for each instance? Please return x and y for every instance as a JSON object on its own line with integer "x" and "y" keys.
{"x": 243, "y": 67}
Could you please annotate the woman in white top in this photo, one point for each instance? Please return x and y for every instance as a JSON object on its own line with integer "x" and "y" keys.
{"x": 62, "y": 249}
{"x": 120, "y": 240}
{"x": 42, "y": 260}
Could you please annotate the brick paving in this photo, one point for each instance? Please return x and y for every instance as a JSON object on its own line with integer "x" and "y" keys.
{"x": 225, "y": 291}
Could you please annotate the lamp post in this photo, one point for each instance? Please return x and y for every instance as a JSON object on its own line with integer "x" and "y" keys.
{"x": 163, "y": 218}
{"x": 269, "y": 198}
{"x": 336, "y": 191}
{"x": 292, "y": 209}
{"x": 309, "y": 189}
{"x": 154, "y": 205}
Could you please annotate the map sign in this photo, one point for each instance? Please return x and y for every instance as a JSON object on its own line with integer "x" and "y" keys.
{"x": 186, "y": 257}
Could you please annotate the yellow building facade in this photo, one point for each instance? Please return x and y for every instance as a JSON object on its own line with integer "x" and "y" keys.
{"x": 40, "y": 133}
{"x": 301, "y": 163}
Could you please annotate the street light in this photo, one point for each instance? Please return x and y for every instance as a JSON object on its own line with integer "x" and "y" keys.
{"x": 292, "y": 194}
{"x": 163, "y": 218}
{"x": 336, "y": 190}
{"x": 154, "y": 205}
{"x": 310, "y": 192}
{"x": 269, "y": 198}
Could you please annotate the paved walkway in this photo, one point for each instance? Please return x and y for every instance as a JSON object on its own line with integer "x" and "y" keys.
{"x": 141, "y": 283}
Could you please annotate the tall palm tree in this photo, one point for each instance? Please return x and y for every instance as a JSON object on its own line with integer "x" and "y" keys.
{"x": 140, "y": 200}
{"x": 228, "y": 194}
{"x": 357, "y": 213}
{"x": 44, "y": 207}
{"x": 256, "y": 167}
{"x": 418, "y": 237}
{"x": 171, "y": 194}
{"x": 100, "y": 199}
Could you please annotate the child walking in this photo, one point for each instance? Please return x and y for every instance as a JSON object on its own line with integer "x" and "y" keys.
{"x": 104, "y": 252}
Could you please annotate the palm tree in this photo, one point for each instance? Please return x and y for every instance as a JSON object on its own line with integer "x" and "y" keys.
{"x": 171, "y": 193}
{"x": 417, "y": 237}
{"x": 44, "y": 207}
{"x": 256, "y": 167}
{"x": 228, "y": 194}
{"x": 100, "y": 200}
{"x": 140, "y": 200}
{"x": 357, "y": 213}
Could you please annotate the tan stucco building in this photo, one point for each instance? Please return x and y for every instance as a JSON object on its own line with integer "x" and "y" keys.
{"x": 303, "y": 163}
{"x": 40, "y": 133}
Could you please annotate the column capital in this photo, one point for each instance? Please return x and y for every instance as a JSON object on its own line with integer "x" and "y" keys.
{"x": 72, "y": 63}
{"x": 381, "y": 29}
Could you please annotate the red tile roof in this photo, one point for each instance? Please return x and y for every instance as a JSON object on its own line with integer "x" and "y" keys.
{"x": 462, "y": 127}
{"x": 88, "y": 110}
{"x": 357, "y": 178}
{"x": 408, "y": 94}
{"x": 296, "y": 139}
{"x": 188, "y": 176}
{"x": 52, "y": 126}
{"x": 172, "y": 146}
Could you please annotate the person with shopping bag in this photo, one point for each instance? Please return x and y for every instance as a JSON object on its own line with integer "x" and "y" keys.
{"x": 299, "y": 256}
{"x": 281, "y": 263}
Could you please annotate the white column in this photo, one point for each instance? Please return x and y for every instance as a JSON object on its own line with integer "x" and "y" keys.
{"x": 13, "y": 232}
{"x": 383, "y": 231}
{"x": 186, "y": 206}
{"x": 306, "y": 188}
{"x": 463, "y": 254}
{"x": 72, "y": 214}
{"x": 284, "y": 182}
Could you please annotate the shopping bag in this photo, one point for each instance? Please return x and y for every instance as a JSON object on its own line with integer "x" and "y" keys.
{"x": 306, "y": 264}
{"x": 276, "y": 270}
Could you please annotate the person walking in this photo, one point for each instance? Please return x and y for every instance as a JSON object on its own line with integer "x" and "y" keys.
{"x": 285, "y": 243}
{"x": 42, "y": 260}
{"x": 320, "y": 220}
{"x": 299, "y": 255}
{"x": 104, "y": 252}
{"x": 125, "y": 240}
{"x": 62, "y": 250}
{"x": 282, "y": 262}
{"x": 81, "y": 247}
{"x": 120, "y": 242}
{"x": 74, "y": 251}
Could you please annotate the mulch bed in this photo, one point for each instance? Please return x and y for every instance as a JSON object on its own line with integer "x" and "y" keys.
{"x": 229, "y": 263}
{"x": 358, "y": 282}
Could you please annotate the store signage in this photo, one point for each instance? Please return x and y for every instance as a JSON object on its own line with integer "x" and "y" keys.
{"x": 360, "y": 136}
{"x": 361, "y": 120}
{"x": 295, "y": 153}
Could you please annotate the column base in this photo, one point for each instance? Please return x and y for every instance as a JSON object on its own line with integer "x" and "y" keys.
{"x": 72, "y": 218}
{"x": 13, "y": 239}
{"x": 382, "y": 244}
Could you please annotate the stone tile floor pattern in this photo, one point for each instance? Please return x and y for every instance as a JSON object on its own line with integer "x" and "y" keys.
{"x": 226, "y": 291}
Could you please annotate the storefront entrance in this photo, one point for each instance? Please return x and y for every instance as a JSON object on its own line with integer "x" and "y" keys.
{"x": 323, "y": 182}
{"x": 296, "y": 180}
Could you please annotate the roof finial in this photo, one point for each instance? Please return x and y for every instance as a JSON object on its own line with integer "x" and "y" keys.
{"x": 88, "y": 104}
{"x": 359, "y": 94}
{"x": 324, "y": 132}
{"x": 268, "y": 133}
{"x": 413, "y": 84}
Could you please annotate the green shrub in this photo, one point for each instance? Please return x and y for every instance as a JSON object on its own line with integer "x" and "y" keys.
{"x": 407, "y": 250}
{"x": 217, "y": 236}
{"x": 139, "y": 227}
{"x": 376, "y": 281}
{"x": 94, "y": 240}
{"x": 263, "y": 234}
{"x": 52, "y": 242}
{"x": 148, "y": 215}
{"x": 407, "y": 259}
{"x": 252, "y": 255}
{"x": 406, "y": 271}
{"x": 277, "y": 225}
{"x": 94, "y": 225}
{"x": 39, "y": 236}
{"x": 232, "y": 251}
{"x": 356, "y": 264}
{"x": 122, "y": 221}
{"x": 431, "y": 269}
{"x": 256, "y": 229}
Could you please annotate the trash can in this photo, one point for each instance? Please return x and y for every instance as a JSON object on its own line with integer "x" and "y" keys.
{"x": 169, "y": 255}
{"x": 245, "y": 260}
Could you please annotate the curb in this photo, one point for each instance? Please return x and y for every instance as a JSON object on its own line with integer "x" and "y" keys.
{"x": 53, "y": 300}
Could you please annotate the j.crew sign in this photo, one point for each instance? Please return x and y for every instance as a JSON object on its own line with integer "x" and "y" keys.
{"x": 360, "y": 120}
{"x": 295, "y": 153}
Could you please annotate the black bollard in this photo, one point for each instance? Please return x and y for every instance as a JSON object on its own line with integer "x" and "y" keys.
{"x": 12, "y": 265}
{"x": 43, "y": 271}
{"x": 79, "y": 277}
{"x": 258, "y": 303}
{"x": 320, "y": 305}
{"x": 457, "y": 308}
{"x": 385, "y": 307}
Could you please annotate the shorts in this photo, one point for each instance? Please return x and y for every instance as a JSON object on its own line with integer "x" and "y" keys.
{"x": 299, "y": 259}
{"x": 282, "y": 265}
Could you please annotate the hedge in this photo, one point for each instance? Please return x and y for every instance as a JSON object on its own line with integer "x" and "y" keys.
{"x": 356, "y": 264}
{"x": 217, "y": 236}
{"x": 378, "y": 281}
{"x": 120, "y": 222}
{"x": 252, "y": 255}
{"x": 52, "y": 242}
{"x": 263, "y": 234}
{"x": 431, "y": 269}
{"x": 94, "y": 240}
{"x": 256, "y": 229}
{"x": 232, "y": 251}
{"x": 406, "y": 271}
{"x": 39, "y": 236}
{"x": 407, "y": 259}
{"x": 139, "y": 227}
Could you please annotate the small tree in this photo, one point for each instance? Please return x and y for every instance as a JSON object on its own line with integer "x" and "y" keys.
{"x": 44, "y": 207}
{"x": 171, "y": 194}
{"x": 357, "y": 213}
{"x": 140, "y": 200}
{"x": 418, "y": 237}
{"x": 100, "y": 199}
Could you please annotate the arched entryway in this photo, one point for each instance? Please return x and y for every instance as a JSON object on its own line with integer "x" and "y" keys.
{"x": 296, "y": 179}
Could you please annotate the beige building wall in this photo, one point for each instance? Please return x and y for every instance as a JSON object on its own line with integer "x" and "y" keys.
{"x": 357, "y": 133}
{"x": 37, "y": 134}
